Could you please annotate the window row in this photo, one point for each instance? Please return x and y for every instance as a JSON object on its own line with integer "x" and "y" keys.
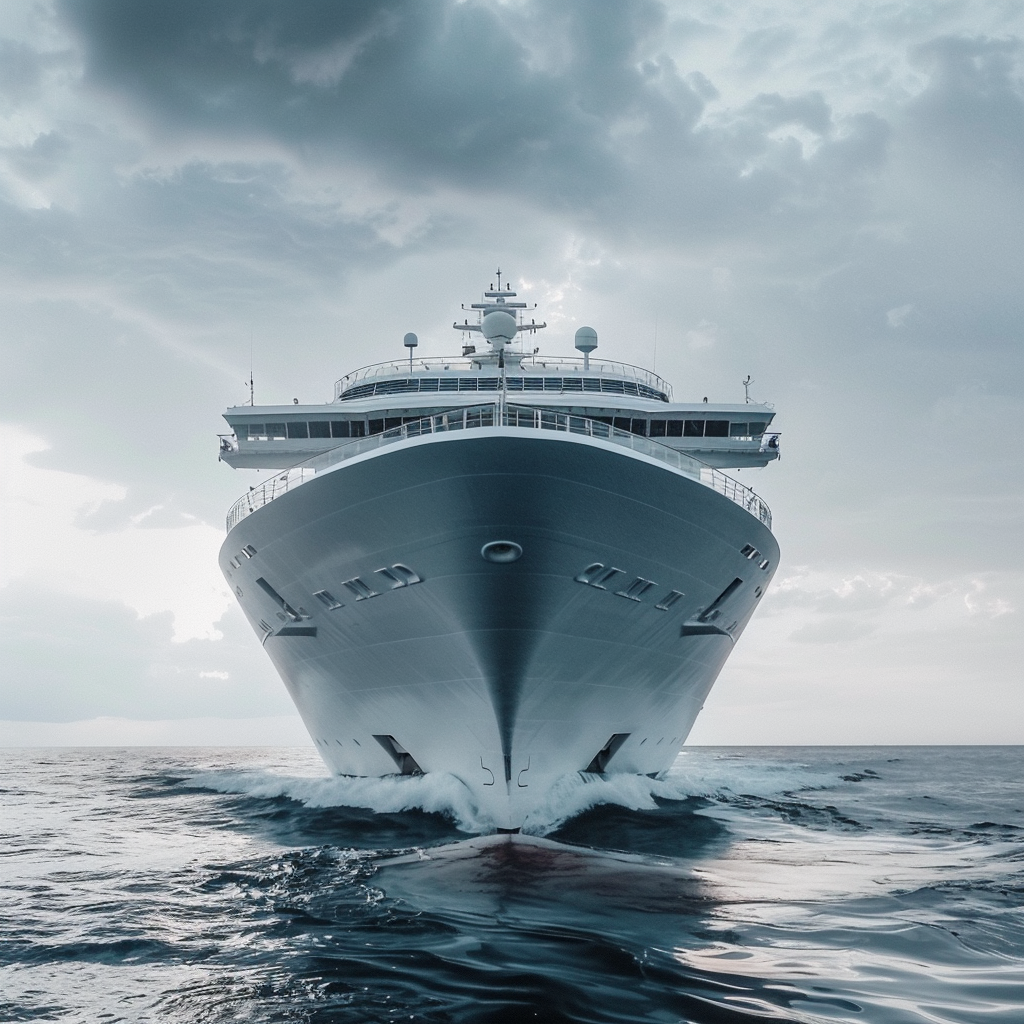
{"x": 359, "y": 428}
{"x": 560, "y": 385}
{"x": 320, "y": 428}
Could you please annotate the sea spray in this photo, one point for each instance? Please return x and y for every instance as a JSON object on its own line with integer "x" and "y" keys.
{"x": 569, "y": 796}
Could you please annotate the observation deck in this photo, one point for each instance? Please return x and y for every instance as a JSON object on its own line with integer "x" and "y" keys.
{"x": 522, "y": 373}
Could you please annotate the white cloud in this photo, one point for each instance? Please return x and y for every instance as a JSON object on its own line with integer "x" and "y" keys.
{"x": 150, "y": 569}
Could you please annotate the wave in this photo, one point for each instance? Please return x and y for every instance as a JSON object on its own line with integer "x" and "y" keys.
{"x": 434, "y": 793}
{"x": 719, "y": 778}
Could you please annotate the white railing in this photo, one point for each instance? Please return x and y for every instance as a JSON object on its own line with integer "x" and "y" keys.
{"x": 514, "y": 362}
{"x": 523, "y": 417}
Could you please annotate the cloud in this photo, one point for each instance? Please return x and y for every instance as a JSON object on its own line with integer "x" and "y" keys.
{"x": 70, "y": 658}
{"x": 188, "y": 189}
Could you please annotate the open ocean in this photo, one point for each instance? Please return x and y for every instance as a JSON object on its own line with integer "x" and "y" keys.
{"x": 881, "y": 885}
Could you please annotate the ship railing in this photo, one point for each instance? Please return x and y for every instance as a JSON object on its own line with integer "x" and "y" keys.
{"x": 543, "y": 365}
{"x": 525, "y": 417}
{"x": 456, "y": 419}
{"x": 547, "y": 419}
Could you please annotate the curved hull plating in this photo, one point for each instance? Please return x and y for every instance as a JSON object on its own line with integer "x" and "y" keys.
{"x": 420, "y": 654}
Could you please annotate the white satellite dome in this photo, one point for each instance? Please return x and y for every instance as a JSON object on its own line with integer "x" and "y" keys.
{"x": 499, "y": 328}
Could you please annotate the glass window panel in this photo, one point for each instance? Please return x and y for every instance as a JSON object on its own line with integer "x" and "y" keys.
{"x": 253, "y": 430}
{"x": 693, "y": 428}
{"x": 657, "y": 428}
{"x": 339, "y": 428}
{"x": 298, "y": 430}
{"x": 319, "y": 428}
{"x": 738, "y": 429}
{"x": 376, "y": 426}
{"x": 392, "y": 421}
{"x": 716, "y": 428}
{"x": 757, "y": 429}
{"x": 623, "y": 423}
{"x": 357, "y": 429}
{"x": 639, "y": 427}
{"x": 675, "y": 428}
{"x": 276, "y": 430}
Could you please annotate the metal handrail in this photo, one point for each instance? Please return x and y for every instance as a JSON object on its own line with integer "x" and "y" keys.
{"x": 526, "y": 362}
{"x": 517, "y": 416}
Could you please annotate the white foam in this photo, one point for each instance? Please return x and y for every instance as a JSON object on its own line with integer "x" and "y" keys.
{"x": 718, "y": 777}
{"x": 436, "y": 793}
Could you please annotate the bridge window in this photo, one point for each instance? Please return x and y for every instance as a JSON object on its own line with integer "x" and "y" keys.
{"x": 318, "y": 428}
{"x": 339, "y": 428}
{"x": 277, "y": 431}
{"x": 757, "y": 429}
{"x": 716, "y": 428}
{"x": 298, "y": 430}
{"x": 253, "y": 431}
{"x": 658, "y": 428}
{"x": 693, "y": 428}
{"x": 376, "y": 426}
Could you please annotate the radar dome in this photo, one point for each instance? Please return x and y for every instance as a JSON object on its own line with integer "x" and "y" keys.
{"x": 410, "y": 340}
{"x": 499, "y": 328}
{"x": 586, "y": 339}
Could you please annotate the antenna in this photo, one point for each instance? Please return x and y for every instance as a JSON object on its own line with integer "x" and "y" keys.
{"x": 252, "y": 398}
{"x": 499, "y": 279}
{"x": 655, "y": 367}
{"x": 746, "y": 388}
{"x": 410, "y": 341}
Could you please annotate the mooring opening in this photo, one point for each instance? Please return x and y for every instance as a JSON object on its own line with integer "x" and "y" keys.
{"x": 600, "y": 762}
{"x": 405, "y": 762}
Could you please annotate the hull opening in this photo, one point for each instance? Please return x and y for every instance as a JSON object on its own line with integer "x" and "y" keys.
{"x": 600, "y": 762}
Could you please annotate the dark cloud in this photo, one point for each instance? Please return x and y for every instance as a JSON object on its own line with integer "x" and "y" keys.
{"x": 442, "y": 93}
{"x": 972, "y": 111}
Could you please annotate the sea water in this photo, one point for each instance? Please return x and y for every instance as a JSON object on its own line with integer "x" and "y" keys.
{"x": 881, "y": 885}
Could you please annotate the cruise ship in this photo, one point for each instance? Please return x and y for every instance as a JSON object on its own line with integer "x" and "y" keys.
{"x": 502, "y": 565}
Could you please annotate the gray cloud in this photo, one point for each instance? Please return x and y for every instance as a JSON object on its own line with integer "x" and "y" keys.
{"x": 839, "y": 194}
{"x": 67, "y": 659}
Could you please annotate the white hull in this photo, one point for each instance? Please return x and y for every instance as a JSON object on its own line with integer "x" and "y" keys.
{"x": 506, "y": 675}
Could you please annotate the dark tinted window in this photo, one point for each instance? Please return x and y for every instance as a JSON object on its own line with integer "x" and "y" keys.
{"x": 640, "y": 427}
{"x": 622, "y": 422}
{"x": 376, "y": 426}
{"x": 693, "y": 428}
{"x": 757, "y": 429}
{"x": 252, "y": 430}
{"x": 657, "y": 428}
{"x": 675, "y": 428}
{"x": 357, "y": 429}
{"x": 392, "y": 421}
{"x": 716, "y": 428}
{"x": 297, "y": 430}
{"x": 275, "y": 429}
{"x": 339, "y": 428}
{"x": 738, "y": 429}
{"x": 318, "y": 428}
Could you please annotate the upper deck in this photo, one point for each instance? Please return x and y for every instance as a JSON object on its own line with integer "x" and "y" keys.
{"x": 383, "y": 396}
{"x": 529, "y": 374}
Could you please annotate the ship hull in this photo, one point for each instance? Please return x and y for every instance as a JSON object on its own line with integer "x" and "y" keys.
{"x": 421, "y": 654}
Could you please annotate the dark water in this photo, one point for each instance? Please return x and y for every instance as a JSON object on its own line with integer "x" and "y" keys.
{"x": 787, "y": 884}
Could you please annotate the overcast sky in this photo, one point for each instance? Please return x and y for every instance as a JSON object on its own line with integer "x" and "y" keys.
{"x": 830, "y": 202}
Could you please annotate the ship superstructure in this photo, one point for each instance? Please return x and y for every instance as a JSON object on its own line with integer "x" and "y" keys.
{"x": 502, "y": 565}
